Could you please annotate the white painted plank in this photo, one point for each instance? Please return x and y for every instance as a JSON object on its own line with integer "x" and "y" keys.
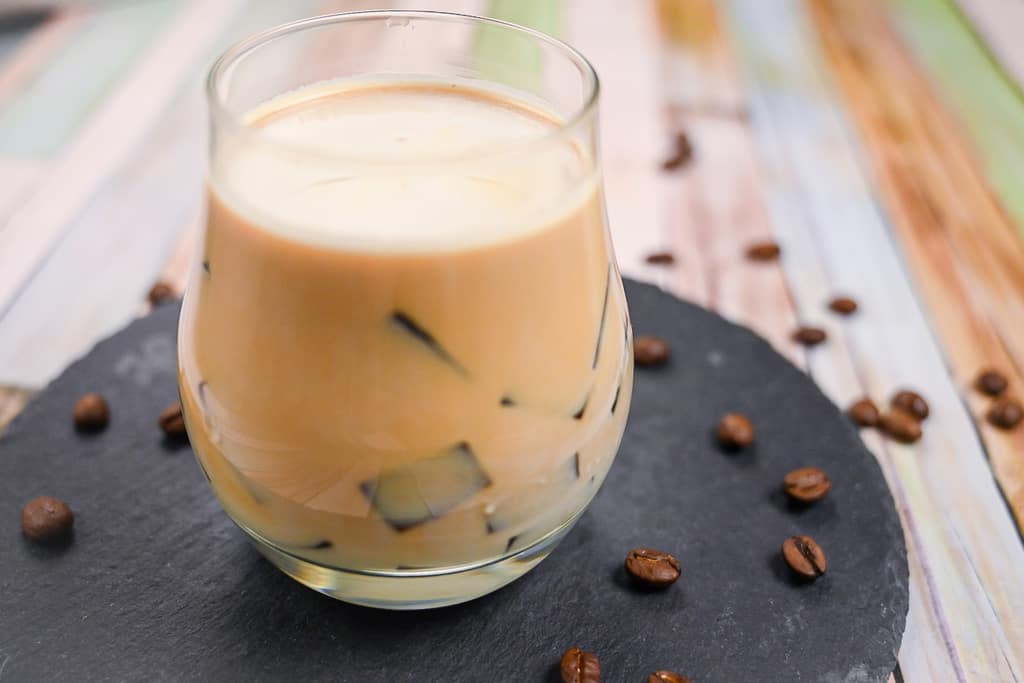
{"x": 634, "y": 134}
{"x": 966, "y": 556}
{"x": 17, "y": 178}
{"x": 106, "y": 142}
{"x": 96, "y": 278}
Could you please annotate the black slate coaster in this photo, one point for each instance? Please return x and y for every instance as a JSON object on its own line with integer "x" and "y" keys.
{"x": 158, "y": 584}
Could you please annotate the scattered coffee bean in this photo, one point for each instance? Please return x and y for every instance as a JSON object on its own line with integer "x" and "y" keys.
{"x": 91, "y": 413}
{"x": 682, "y": 153}
{"x": 763, "y": 251}
{"x": 1005, "y": 413}
{"x": 160, "y": 293}
{"x": 652, "y": 568}
{"x": 661, "y": 258}
{"x": 46, "y": 519}
{"x": 666, "y": 677}
{"x": 863, "y": 412}
{"x": 809, "y": 336}
{"x": 649, "y": 351}
{"x": 843, "y": 305}
{"x": 806, "y": 484}
{"x": 579, "y": 666}
{"x": 900, "y": 425}
{"x": 804, "y": 556}
{"x": 172, "y": 421}
{"x": 991, "y": 382}
{"x": 911, "y": 402}
{"x": 735, "y": 431}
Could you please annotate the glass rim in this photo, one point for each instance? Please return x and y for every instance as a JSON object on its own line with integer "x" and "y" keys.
{"x": 222, "y": 114}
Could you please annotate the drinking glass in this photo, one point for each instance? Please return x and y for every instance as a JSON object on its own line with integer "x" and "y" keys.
{"x": 416, "y": 420}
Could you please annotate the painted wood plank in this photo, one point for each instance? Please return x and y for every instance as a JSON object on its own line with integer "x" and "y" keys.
{"x": 12, "y": 400}
{"x": 22, "y": 59}
{"x": 963, "y": 622}
{"x": 987, "y": 102}
{"x": 633, "y": 134}
{"x": 969, "y": 262}
{"x": 51, "y": 106}
{"x": 17, "y": 178}
{"x": 715, "y": 205}
{"x": 110, "y": 137}
{"x": 136, "y": 217}
{"x": 998, "y": 23}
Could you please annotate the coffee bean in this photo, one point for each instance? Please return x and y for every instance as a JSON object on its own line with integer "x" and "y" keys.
{"x": 911, "y": 402}
{"x": 763, "y": 251}
{"x": 172, "y": 421}
{"x": 578, "y": 666}
{"x": 809, "y": 336}
{"x": 91, "y": 413}
{"x": 900, "y": 425}
{"x": 649, "y": 351}
{"x": 661, "y": 258}
{"x": 666, "y": 677}
{"x": 806, "y": 484}
{"x": 804, "y": 556}
{"x": 682, "y": 153}
{"x": 652, "y": 568}
{"x": 46, "y": 519}
{"x": 1005, "y": 413}
{"x": 735, "y": 431}
{"x": 991, "y": 382}
{"x": 843, "y": 305}
{"x": 863, "y": 412}
{"x": 160, "y": 293}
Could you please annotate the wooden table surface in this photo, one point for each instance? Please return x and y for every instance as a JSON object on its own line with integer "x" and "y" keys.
{"x": 880, "y": 142}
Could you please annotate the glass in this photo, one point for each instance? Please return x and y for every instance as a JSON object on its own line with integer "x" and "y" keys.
{"x": 405, "y": 357}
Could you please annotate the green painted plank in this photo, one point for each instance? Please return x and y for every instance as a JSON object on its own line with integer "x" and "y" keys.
{"x": 41, "y": 118}
{"x": 509, "y": 57}
{"x": 987, "y": 100}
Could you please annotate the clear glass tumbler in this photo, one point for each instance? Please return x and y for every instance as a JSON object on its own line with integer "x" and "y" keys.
{"x": 405, "y": 357}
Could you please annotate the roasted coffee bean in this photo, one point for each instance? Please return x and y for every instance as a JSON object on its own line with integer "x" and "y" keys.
{"x": 809, "y": 336}
{"x": 804, "y": 556}
{"x": 666, "y": 677}
{"x": 900, "y": 425}
{"x": 734, "y": 431}
{"x": 1005, "y": 413}
{"x": 661, "y": 258}
{"x": 681, "y": 154}
{"x": 172, "y": 421}
{"x": 843, "y": 305}
{"x": 160, "y": 293}
{"x": 91, "y": 413}
{"x": 652, "y": 568}
{"x": 991, "y": 382}
{"x": 863, "y": 412}
{"x": 763, "y": 251}
{"x": 806, "y": 484}
{"x": 649, "y": 351}
{"x": 46, "y": 519}
{"x": 579, "y": 666}
{"x": 911, "y": 402}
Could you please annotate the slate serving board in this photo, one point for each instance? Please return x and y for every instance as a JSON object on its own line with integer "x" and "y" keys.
{"x": 157, "y": 584}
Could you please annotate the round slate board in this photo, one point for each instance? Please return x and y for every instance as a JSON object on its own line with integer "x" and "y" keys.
{"x": 158, "y": 584}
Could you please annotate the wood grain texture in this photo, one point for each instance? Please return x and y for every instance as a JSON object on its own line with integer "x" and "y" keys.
{"x": 980, "y": 601}
{"x": 959, "y": 242}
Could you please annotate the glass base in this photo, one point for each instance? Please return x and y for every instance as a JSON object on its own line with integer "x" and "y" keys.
{"x": 412, "y": 589}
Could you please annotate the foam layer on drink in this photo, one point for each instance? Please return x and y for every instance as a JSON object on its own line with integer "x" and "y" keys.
{"x": 415, "y": 167}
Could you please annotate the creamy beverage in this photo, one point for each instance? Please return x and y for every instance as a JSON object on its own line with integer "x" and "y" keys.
{"x": 407, "y": 346}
